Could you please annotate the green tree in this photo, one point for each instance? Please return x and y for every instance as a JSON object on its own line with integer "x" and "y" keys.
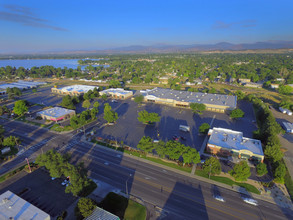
{"x": 280, "y": 173}
{"x": 96, "y": 105}
{"x": 261, "y": 169}
{"x": 146, "y": 144}
{"x": 139, "y": 99}
{"x": 286, "y": 90}
{"x": 160, "y": 148}
{"x": 86, "y": 104}
{"x": 67, "y": 102}
{"x": 197, "y": 108}
{"x": 104, "y": 97}
{"x": 85, "y": 206}
{"x": 94, "y": 112}
{"x": 114, "y": 84}
{"x": 240, "y": 95}
{"x": 1, "y": 130}
{"x": 241, "y": 171}
{"x": 109, "y": 115}
{"x": 191, "y": 155}
{"x": 34, "y": 90}
{"x": 148, "y": 118}
{"x": 212, "y": 166}
{"x": 204, "y": 128}
{"x": 10, "y": 141}
{"x": 174, "y": 149}
{"x": 74, "y": 121}
{"x": 273, "y": 152}
{"x": 20, "y": 107}
{"x": 236, "y": 113}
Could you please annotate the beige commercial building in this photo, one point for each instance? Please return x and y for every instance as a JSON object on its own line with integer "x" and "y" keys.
{"x": 56, "y": 114}
{"x": 117, "y": 93}
{"x": 213, "y": 102}
{"x": 228, "y": 143}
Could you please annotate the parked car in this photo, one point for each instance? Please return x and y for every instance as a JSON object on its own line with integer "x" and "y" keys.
{"x": 53, "y": 178}
{"x": 114, "y": 101}
{"x": 65, "y": 182}
{"x": 175, "y": 137}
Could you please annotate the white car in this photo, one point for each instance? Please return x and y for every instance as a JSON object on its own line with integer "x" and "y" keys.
{"x": 250, "y": 201}
{"x": 53, "y": 178}
{"x": 65, "y": 182}
{"x": 219, "y": 198}
{"x": 114, "y": 101}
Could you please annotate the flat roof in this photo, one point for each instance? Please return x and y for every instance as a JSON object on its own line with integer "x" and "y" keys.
{"x": 21, "y": 84}
{"x": 230, "y": 139}
{"x": 56, "y": 112}
{"x": 14, "y": 207}
{"x": 192, "y": 97}
{"x": 118, "y": 91}
{"x": 78, "y": 88}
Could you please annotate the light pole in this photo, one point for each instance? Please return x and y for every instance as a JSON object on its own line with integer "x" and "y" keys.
{"x": 126, "y": 183}
{"x": 28, "y": 165}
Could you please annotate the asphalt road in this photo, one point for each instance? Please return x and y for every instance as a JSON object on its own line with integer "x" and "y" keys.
{"x": 179, "y": 196}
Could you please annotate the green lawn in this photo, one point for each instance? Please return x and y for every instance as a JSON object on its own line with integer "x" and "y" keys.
{"x": 228, "y": 181}
{"x": 123, "y": 208}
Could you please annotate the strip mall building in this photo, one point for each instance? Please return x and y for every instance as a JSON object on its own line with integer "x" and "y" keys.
{"x": 213, "y": 102}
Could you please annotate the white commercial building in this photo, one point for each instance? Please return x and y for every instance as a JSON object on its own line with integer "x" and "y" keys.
{"x": 117, "y": 93}
{"x": 14, "y": 207}
{"x": 74, "y": 89}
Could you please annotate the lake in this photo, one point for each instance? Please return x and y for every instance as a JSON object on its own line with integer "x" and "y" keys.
{"x": 69, "y": 63}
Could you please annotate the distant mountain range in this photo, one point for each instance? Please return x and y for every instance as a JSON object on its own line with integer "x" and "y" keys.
{"x": 165, "y": 48}
{"x": 222, "y": 46}
{"x": 208, "y": 47}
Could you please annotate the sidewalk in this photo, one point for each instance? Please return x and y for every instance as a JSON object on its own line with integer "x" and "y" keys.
{"x": 276, "y": 197}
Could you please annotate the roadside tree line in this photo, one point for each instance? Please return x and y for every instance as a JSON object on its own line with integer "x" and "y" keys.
{"x": 172, "y": 150}
{"x": 58, "y": 166}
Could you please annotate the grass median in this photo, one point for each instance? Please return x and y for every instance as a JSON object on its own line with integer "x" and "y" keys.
{"x": 228, "y": 181}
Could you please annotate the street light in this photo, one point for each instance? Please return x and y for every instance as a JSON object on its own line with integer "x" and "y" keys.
{"x": 130, "y": 175}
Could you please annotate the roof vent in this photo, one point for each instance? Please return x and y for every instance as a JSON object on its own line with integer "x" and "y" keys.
{"x": 212, "y": 99}
{"x": 198, "y": 100}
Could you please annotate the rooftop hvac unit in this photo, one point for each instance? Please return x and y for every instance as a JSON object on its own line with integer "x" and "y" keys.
{"x": 211, "y": 99}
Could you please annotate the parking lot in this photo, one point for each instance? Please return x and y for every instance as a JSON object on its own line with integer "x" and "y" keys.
{"x": 43, "y": 97}
{"x": 38, "y": 189}
{"x": 129, "y": 130}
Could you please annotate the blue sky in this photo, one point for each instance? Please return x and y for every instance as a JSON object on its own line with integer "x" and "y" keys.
{"x": 49, "y": 25}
